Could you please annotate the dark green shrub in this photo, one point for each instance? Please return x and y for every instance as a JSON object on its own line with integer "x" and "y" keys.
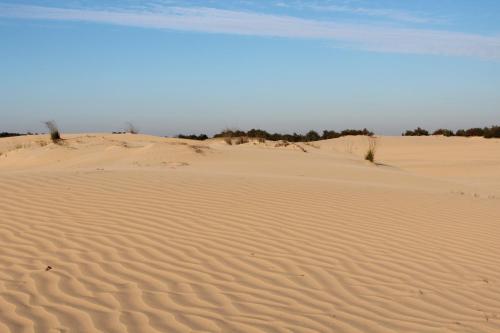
{"x": 493, "y": 132}
{"x": 7, "y": 134}
{"x": 312, "y": 136}
{"x": 364, "y": 131}
{"x": 201, "y": 137}
{"x": 442, "y": 131}
{"x": 416, "y": 132}
{"x": 474, "y": 132}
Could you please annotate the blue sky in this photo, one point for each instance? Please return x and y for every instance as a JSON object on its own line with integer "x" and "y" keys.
{"x": 200, "y": 66}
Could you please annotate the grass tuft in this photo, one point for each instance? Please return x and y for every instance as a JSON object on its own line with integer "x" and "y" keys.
{"x": 55, "y": 136}
{"x": 132, "y": 129}
{"x": 372, "y": 147}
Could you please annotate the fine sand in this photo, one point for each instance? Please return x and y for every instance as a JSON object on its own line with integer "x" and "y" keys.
{"x": 148, "y": 234}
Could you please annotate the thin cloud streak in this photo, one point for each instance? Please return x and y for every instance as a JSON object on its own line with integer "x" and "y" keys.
{"x": 385, "y": 13}
{"x": 392, "y": 14}
{"x": 211, "y": 20}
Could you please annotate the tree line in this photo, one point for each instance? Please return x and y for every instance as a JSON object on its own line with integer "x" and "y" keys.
{"x": 294, "y": 137}
{"x": 486, "y": 132}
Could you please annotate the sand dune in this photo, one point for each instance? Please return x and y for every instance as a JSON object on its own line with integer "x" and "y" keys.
{"x": 148, "y": 234}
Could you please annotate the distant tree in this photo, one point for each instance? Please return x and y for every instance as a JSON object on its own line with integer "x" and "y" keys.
{"x": 200, "y": 137}
{"x": 474, "y": 132}
{"x": 356, "y": 132}
{"x": 7, "y": 134}
{"x": 330, "y": 135}
{"x": 258, "y": 133}
{"x": 312, "y": 136}
{"x": 493, "y": 132}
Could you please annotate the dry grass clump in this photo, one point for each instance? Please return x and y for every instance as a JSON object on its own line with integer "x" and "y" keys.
{"x": 372, "y": 147}
{"x": 236, "y": 140}
{"x": 241, "y": 140}
{"x": 233, "y": 136}
{"x": 132, "y": 129}
{"x": 300, "y": 147}
{"x": 199, "y": 149}
{"x": 282, "y": 143}
{"x": 55, "y": 136}
{"x": 312, "y": 145}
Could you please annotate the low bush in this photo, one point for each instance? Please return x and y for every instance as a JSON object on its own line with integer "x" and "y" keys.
{"x": 308, "y": 137}
{"x": 474, "y": 132}
{"x": 416, "y": 132}
{"x": 240, "y": 140}
{"x": 201, "y": 137}
{"x": 7, "y": 134}
{"x": 493, "y": 132}
{"x": 442, "y": 131}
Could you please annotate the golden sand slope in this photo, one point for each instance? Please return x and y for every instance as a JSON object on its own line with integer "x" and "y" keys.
{"x": 147, "y": 234}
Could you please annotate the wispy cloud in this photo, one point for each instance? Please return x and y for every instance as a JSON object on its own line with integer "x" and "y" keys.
{"x": 384, "y": 13}
{"x": 211, "y": 20}
{"x": 393, "y": 14}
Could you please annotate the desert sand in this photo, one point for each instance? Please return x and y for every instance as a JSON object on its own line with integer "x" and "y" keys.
{"x": 135, "y": 233}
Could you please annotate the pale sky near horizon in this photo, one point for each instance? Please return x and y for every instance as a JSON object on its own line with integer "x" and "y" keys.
{"x": 175, "y": 67}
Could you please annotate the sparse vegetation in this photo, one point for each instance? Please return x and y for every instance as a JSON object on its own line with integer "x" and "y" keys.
{"x": 474, "y": 132}
{"x": 493, "y": 132}
{"x": 444, "y": 132}
{"x": 372, "y": 147}
{"x": 300, "y": 147}
{"x": 311, "y": 145}
{"x": 310, "y": 136}
{"x": 416, "y": 132}
{"x": 199, "y": 149}
{"x": 282, "y": 143}
{"x": 240, "y": 140}
{"x": 201, "y": 137}
{"x": 7, "y": 134}
{"x": 486, "y": 132}
{"x": 55, "y": 136}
